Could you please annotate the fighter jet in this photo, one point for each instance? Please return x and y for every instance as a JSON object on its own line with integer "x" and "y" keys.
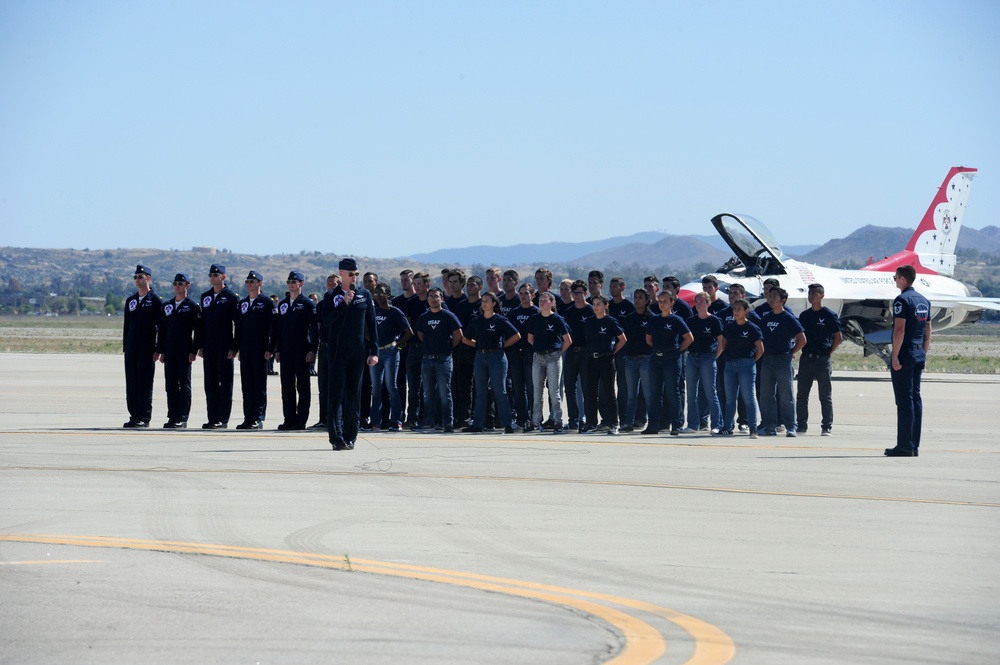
{"x": 863, "y": 298}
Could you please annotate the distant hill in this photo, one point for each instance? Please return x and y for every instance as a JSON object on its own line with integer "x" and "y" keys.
{"x": 644, "y": 248}
{"x": 552, "y": 252}
{"x": 674, "y": 251}
{"x": 986, "y": 239}
{"x": 878, "y": 242}
{"x": 868, "y": 241}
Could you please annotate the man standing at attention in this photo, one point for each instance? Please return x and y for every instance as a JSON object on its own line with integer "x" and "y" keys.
{"x": 217, "y": 345}
{"x": 253, "y": 330}
{"x": 349, "y": 316}
{"x": 296, "y": 338}
{"x": 823, "y": 336}
{"x": 911, "y": 338}
{"x": 142, "y": 311}
{"x": 179, "y": 320}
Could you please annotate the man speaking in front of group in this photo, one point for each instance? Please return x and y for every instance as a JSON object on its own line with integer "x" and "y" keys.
{"x": 352, "y": 344}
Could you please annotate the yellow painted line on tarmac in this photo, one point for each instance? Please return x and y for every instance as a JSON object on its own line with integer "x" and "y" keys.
{"x": 565, "y": 481}
{"x": 46, "y": 561}
{"x": 643, "y": 643}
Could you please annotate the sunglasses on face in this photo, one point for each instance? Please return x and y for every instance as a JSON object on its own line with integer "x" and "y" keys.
{"x": 138, "y": 277}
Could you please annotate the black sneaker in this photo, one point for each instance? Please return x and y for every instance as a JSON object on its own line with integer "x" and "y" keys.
{"x": 472, "y": 429}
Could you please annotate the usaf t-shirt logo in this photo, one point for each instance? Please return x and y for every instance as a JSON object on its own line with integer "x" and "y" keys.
{"x": 168, "y": 310}
{"x": 206, "y": 301}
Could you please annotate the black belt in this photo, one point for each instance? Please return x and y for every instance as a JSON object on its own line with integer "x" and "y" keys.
{"x": 439, "y": 356}
{"x": 815, "y": 355}
{"x": 546, "y": 353}
{"x": 387, "y": 346}
{"x": 602, "y": 355}
{"x": 489, "y": 350}
{"x": 667, "y": 354}
{"x": 636, "y": 355}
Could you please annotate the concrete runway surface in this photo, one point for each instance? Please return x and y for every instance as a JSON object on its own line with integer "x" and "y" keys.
{"x": 161, "y": 546}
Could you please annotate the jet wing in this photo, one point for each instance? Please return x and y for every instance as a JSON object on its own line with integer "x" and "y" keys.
{"x": 966, "y": 303}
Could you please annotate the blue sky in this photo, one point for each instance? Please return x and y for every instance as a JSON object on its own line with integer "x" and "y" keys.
{"x": 389, "y": 128}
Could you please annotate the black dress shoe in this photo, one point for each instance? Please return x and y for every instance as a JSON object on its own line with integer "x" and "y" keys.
{"x": 133, "y": 424}
{"x": 338, "y": 444}
{"x": 319, "y": 425}
{"x": 899, "y": 452}
{"x": 246, "y": 424}
{"x": 472, "y": 429}
{"x": 349, "y": 445}
{"x": 174, "y": 425}
{"x": 287, "y": 427}
{"x": 214, "y": 426}
{"x": 650, "y": 430}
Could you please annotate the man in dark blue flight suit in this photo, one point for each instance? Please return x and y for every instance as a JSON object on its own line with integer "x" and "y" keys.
{"x": 253, "y": 332}
{"x": 217, "y": 345}
{"x": 142, "y": 312}
{"x": 349, "y": 316}
{"x": 180, "y": 318}
{"x": 911, "y": 338}
{"x": 294, "y": 344}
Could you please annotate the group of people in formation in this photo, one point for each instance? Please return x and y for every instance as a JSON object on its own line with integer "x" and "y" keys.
{"x": 487, "y": 355}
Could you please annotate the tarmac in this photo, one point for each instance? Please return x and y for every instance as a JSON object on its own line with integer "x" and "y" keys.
{"x": 164, "y": 546}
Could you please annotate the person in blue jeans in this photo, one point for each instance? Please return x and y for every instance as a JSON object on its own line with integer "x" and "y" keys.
{"x": 489, "y": 334}
{"x": 636, "y": 362}
{"x": 440, "y": 331}
{"x": 741, "y": 347}
{"x": 393, "y": 331}
{"x": 701, "y": 368}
